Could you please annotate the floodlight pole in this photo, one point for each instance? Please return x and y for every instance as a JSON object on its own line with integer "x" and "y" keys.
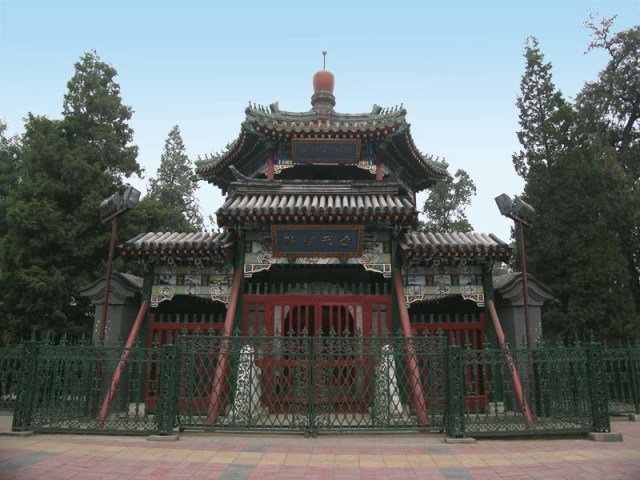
{"x": 521, "y": 213}
{"x": 525, "y": 285}
{"x": 107, "y": 284}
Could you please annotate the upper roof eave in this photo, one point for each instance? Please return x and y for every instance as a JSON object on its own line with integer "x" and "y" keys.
{"x": 262, "y": 122}
{"x": 272, "y": 114}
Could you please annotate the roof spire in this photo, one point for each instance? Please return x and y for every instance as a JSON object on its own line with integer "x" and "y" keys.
{"x": 323, "y": 100}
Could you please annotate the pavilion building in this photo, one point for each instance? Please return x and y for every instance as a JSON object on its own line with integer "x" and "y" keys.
{"x": 319, "y": 236}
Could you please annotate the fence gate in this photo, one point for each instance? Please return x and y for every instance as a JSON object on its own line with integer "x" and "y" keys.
{"x": 312, "y": 363}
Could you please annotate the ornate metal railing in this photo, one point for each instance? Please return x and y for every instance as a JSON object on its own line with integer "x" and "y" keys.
{"x": 341, "y": 381}
{"x": 75, "y": 388}
{"x": 526, "y": 391}
{"x": 622, "y": 373}
{"x": 10, "y": 368}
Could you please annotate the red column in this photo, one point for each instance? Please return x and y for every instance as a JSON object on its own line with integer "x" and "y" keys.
{"x": 379, "y": 172}
{"x": 271, "y": 157}
{"x": 418, "y": 393}
{"x": 215, "y": 404}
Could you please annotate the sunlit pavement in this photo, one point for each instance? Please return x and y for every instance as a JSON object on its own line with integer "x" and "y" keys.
{"x": 340, "y": 457}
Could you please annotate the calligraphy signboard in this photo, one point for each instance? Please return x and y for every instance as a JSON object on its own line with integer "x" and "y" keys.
{"x": 325, "y": 151}
{"x": 317, "y": 240}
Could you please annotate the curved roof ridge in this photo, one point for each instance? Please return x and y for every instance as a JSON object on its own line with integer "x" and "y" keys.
{"x": 273, "y": 111}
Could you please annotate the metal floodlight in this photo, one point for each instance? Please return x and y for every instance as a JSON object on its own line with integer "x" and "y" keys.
{"x": 523, "y": 211}
{"x": 131, "y": 197}
{"x": 110, "y": 210}
{"x": 110, "y": 205}
{"x": 523, "y": 214}
{"x": 505, "y": 205}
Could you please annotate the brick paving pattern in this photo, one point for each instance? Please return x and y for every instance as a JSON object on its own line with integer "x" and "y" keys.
{"x": 346, "y": 457}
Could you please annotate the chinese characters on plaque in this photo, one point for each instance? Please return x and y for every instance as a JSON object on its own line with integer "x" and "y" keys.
{"x": 304, "y": 150}
{"x": 317, "y": 240}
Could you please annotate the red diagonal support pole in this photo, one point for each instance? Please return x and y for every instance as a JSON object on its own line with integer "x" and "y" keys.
{"x": 414, "y": 376}
{"x": 517, "y": 385}
{"x": 216, "y": 403}
{"x": 115, "y": 380}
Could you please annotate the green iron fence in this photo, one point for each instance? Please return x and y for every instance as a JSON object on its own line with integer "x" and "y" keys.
{"x": 72, "y": 388}
{"x": 337, "y": 382}
{"x": 10, "y": 367}
{"x": 622, "y": 372}
{"x": 526, "y": 391}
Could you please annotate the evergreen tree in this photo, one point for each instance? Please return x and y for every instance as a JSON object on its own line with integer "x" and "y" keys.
{"x": 96, "y": 119}
{"x": 609, "y": 111}
{"x": 10, "y": 150}
{"x": 545, "y": 117}
{"x": 445, "y": 205}
{"x": 38, "y": 242}
{"x": 174, "y": 187}
{"x": 54, "y": 242}
{"x": 574, "y": 247}
{"x": 611, "y": 105}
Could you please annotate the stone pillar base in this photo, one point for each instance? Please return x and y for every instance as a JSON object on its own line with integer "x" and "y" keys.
{"x": 604, "y": 436}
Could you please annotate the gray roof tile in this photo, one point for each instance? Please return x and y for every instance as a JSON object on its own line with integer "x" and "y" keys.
{"x": 421, "y": 244}
{"x": 164, "y": 242}
{"x": 246, "y": 205}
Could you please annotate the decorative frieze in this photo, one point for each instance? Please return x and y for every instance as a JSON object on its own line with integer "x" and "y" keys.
{"x": 259, "y": 257}
{"x": 442, "y": 280}
{"x": 211, "y": 282}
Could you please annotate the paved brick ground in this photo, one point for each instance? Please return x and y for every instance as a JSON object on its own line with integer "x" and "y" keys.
{"x": 347, "y": 457}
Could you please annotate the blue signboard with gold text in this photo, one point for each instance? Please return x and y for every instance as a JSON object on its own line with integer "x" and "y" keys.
{"x": 317, "y": 240}
{"x": 307, "y": 150}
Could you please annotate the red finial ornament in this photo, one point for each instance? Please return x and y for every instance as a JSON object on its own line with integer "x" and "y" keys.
{"x": 323, "y": 100}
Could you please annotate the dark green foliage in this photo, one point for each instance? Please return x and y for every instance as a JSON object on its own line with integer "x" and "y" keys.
{"x": 445, "y": 206}
{"x": 574, "y": 247}
{"x": 545, "y": 117}
{"x": 96, "y": 119}
{"x": 54, "y": 242}
{"x": 9, "y": 171}
{"x": 173, "y": 190}
{"x": 10, "y": 155}
{"x": 609, "y": 109}
{"x": 580, "y": 190}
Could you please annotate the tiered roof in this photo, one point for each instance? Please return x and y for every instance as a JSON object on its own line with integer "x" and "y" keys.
{"x": 319, "y": 201}
{"x": 387, "y": 199}
{"x": 264, "y": 126}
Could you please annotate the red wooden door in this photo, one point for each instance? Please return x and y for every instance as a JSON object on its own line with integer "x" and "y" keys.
{"x": 315, "y": 360}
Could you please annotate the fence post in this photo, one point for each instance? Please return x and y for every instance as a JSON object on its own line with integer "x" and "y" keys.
{"x": 597, "y": 388}
{"x": 25, "y": 393}
{"x": 311, "y": 356}
{"x": 167, "y": 406}
{"x": 454, "y": 392}
{"x": 634, "y": 375}
{"x": 234, "y": 352}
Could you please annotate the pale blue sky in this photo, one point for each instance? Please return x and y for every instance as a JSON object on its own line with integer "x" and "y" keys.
{"x": 456, "y": 67}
